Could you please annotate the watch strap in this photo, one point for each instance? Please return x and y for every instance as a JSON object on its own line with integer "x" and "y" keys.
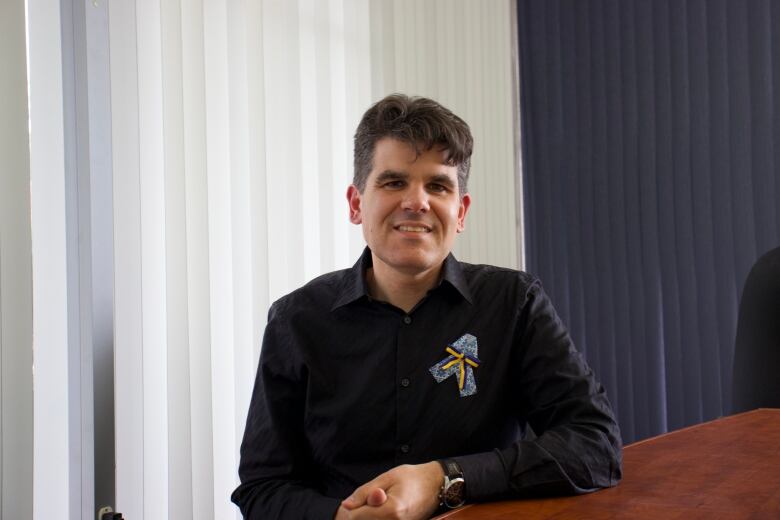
{"x": 451, "y": 468}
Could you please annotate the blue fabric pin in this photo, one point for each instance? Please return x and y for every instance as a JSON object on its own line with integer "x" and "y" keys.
{"x": 461, "y": 361}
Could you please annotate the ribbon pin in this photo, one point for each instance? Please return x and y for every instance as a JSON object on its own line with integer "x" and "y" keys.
{"x": 461, "y": 361}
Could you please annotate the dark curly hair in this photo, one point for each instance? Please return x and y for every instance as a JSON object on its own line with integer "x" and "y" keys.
{"x": 420, "y": 122}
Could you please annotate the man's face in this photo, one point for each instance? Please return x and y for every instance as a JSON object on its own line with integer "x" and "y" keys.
{"x": 410, "y": 209}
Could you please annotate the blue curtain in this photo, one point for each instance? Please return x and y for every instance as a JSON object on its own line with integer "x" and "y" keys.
{"x": 651, "y": 149}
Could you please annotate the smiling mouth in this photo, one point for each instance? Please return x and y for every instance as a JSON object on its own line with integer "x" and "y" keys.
{"x": 414, "y": 229}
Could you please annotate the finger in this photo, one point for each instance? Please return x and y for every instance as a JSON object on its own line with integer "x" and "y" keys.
{"x": 367, "y": 494}
{"x": 376, "y": 497}
{"x": 385, "y": 511}
{"x": 359, "y": 497}
{"x": 351, "y": 502}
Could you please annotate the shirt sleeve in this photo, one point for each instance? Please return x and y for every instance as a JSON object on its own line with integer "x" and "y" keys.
{"x": 577, "y": 448}
{"x": 277, "y": 478}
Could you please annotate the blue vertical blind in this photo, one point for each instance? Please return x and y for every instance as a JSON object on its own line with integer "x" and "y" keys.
{"x": 651, "y": 134}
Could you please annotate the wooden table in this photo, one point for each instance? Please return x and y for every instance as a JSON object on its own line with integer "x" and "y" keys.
{"x": 724, "y": 469}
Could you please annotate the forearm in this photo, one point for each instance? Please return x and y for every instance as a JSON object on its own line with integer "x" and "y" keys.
{"x": 563, "y": 460}
{"x": 283, "y": 499}
{"x": 578, "y": 448}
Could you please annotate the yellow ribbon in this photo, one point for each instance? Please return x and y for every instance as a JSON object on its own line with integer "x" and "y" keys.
{"x": 460, "y": 359}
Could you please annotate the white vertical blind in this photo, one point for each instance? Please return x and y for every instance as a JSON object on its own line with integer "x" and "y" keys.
{"x": 152, "y": 212}
{"x": 55, "y": 461}
{"x": 179, "y": 420}
{"x": 229, "y": 192}
{"x": 232, "y": 130}
{"x": 16, "y": 334}
{"x": 231, "y": 133}
{"x": 65, "y": 173}
{"x": 197, "y": 381}
{"x": 128, "y": 313}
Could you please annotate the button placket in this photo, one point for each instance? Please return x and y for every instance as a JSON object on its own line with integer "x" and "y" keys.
{"x": 407, "y": 340}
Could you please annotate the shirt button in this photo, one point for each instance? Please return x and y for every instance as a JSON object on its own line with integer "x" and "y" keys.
{"x": 405, "y": 382}
{"x": 407, "y": 319}
{"x": 404, "y": 448}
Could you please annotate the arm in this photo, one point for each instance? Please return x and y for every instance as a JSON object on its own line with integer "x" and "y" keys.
{"x": 578, "y": 448}
{"x": 275, "y": 470}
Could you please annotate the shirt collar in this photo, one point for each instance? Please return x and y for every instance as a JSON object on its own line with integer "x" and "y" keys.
{"x": 354, "y": 286}
{"x": 453, "y": 274}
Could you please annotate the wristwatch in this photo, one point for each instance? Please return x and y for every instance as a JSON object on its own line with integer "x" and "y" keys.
{"x": 453, "y": 490}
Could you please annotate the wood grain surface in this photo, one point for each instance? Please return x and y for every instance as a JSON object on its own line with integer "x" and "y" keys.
{"x": 724, "y": 469}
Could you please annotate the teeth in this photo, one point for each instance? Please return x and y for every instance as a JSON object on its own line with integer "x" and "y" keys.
{"x": 413, "y": 229}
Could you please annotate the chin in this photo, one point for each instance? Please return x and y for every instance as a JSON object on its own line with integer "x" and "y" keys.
{"x": 412, "y": 262}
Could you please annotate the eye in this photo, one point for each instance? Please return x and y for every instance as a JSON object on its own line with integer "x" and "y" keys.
{"x": 394, "y": 185}
{"x": 438, "y": 188}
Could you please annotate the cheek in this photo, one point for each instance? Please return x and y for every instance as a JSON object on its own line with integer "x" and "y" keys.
{"x": 452, "y": 216}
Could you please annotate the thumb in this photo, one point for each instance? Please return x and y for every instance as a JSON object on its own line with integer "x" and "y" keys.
{"x": 367, "y": 494}
{"x": 376, "y": 497}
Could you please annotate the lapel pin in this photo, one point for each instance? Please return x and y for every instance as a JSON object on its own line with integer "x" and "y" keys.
{"x": 461, "y": 361}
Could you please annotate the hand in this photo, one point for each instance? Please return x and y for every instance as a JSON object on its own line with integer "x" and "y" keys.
{"x": 405, "y": 493}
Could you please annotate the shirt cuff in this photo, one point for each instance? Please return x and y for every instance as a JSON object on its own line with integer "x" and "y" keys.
{"x": 485, "y": 475}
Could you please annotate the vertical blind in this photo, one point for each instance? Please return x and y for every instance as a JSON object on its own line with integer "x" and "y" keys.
{"x": 56, "y": 468}
{"x": 213, "y": 140}
{"x": 650, "y": 168}
{"x": 229, "y": 131}
{"x": 232, "y": 132}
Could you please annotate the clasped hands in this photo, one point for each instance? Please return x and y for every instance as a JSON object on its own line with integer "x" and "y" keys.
{"x": 408, "y": 492}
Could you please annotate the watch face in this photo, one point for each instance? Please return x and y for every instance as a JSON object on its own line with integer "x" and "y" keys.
{"x": 455, "y": 493}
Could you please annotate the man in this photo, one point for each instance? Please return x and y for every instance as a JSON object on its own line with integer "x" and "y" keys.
{"x": 404, "y": 385}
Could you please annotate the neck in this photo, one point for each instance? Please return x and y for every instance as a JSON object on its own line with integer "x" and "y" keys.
{"x": 403, "y": 290}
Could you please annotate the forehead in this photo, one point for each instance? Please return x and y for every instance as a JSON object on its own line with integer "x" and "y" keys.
{"x": 392, "y": 154}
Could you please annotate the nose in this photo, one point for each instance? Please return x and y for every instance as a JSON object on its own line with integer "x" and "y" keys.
{"x": 415, "y": 199}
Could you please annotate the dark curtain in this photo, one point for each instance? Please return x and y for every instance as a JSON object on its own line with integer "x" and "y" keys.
{"x": 651, "y": 146}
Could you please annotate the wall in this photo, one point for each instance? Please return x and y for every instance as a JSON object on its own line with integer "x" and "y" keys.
{"x": 462, "y": 53}
{"x": 16, "y": 384}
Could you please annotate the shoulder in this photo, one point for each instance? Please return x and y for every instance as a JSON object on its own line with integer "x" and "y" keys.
{"x": 316, "y": 295}
{"x": 494, "y": 279}
{"x": 296, "y": 316}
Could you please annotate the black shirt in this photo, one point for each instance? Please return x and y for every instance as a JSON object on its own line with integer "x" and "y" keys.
{"x": 345, "y": 391}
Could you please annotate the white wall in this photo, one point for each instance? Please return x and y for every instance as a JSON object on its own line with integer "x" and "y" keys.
{"x": 16, "y": 384}
{"x": 461, "y": 53}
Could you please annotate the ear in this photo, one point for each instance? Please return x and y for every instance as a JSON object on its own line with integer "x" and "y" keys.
{"x": 465, "y": 202}
{"x": 353, "y": 197}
